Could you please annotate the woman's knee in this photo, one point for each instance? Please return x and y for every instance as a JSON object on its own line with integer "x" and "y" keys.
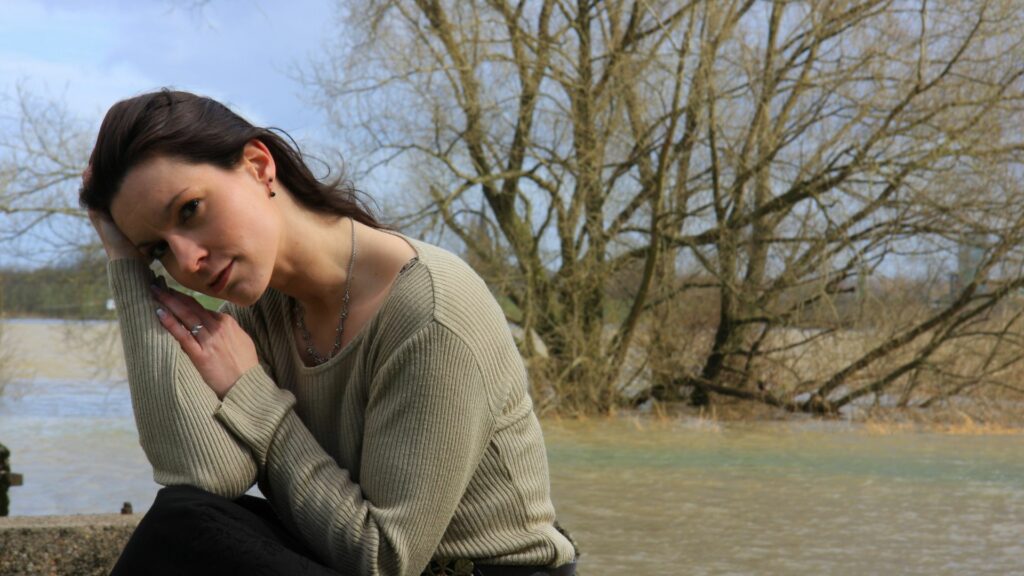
{"x": 181, "y": 506}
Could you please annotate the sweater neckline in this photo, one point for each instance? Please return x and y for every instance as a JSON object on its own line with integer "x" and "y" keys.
{"x": 353, "y": 344}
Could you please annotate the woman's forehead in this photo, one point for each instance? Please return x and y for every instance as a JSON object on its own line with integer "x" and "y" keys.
{"x": 149, "y": 191}
{"x": 145, "y": 183}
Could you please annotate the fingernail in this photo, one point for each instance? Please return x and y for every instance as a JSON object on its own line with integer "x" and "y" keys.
{"x": 161, "y": 313}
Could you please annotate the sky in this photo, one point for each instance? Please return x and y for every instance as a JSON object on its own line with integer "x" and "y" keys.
{"x": 88, "y": 54}
{"x": 91, "y": 53}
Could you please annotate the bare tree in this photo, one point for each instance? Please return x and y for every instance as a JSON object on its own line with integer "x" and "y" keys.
{"x": 778, "y": 152}
{"x": 43, "y": 150}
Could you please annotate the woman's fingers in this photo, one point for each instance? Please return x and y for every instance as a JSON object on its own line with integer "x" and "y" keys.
{"x": 186, "y": 310}
{"x": 180, "y": 333}
{"x": 220, "y": 349}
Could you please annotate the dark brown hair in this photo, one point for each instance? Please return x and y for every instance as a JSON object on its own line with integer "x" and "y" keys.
{"x": 200, "y": 130}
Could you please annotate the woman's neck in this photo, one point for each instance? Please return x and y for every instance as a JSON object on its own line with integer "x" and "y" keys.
{"x": 312, "y": 262}
{"x": 313, "y": 258}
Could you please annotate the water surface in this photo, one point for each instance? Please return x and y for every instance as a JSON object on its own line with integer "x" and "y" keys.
{"x": 683, "y": 497}
{"x": 789, "y": 498}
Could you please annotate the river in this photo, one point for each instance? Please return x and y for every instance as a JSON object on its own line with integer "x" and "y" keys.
{"x": 650, "y": 496}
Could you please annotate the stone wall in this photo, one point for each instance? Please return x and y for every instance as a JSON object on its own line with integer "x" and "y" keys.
{"x": 56, "y": 545}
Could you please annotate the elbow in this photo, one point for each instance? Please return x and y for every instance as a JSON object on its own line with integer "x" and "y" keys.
{"x": 230, "y": 486}
{"x": 368, "y": 550}
{"x": 229, "y": 480}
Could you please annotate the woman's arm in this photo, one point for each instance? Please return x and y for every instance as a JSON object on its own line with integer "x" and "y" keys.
{"x": 174, "y": 408}
{"x": 427, "y": 426}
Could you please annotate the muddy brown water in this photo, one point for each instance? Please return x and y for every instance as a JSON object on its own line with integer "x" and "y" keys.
{"x": 640, "y": 496}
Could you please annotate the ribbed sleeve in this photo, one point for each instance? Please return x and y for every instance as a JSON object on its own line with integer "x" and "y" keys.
{"x": 253, "y": 410}
{"x": 174, "y": 409}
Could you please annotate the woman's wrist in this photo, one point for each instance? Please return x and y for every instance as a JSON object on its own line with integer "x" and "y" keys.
{"x": 113, "y": 254}
{"x": 114, "y": 242}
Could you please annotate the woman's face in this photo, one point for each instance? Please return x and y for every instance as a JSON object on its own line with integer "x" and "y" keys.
{"x": 216, "y": 231}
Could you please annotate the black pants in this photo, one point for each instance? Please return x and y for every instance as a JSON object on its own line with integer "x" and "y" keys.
{"x": 191, "y": 532}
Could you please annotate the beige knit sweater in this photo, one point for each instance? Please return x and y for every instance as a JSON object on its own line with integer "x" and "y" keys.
{"x": 416, "y": 441}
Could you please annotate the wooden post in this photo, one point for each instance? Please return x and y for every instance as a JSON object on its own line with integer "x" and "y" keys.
{"x": 5, "y": 479}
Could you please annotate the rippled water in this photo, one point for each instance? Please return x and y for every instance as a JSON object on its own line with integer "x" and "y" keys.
{"x": 641, "y": 497}
{"x": 77, "y": 446}
{"x": 788, "y": 499}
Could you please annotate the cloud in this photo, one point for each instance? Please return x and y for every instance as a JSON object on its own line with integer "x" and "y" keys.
{"x": 95, "y": 53}
{"x": 86, "y": 91}
{"x": 88, "y": 55}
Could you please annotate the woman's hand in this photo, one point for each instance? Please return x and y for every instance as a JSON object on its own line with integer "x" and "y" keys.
{"x": 217, "y": 345}
{"x": 114, "y": 242}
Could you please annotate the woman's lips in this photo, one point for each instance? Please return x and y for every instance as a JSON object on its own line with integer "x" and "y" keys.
{"x": 222, "y": 278}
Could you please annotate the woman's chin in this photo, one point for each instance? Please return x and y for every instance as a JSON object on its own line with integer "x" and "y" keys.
{"x": 240, "y": 301}
{"x": 240, "y": 296}
{"x": 242, "y": 290}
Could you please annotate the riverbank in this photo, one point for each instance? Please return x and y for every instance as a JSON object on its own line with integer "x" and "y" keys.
{"x": 959, "y": 416}
{"x": 83, "y": 545}
{"x": 60, "y": 350}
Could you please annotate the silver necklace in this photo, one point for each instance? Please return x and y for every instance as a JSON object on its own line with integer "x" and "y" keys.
{"x": 300, "y": 313}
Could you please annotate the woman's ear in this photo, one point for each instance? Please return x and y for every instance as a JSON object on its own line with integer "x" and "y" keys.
{"x": 258, "y": 161}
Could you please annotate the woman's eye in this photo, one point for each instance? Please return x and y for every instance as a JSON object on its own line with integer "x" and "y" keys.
{"x": 158, "y": 250}
{"x": 189, "y": 209}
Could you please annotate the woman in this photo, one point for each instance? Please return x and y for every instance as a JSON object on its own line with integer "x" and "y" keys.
{"x": 367, "y": 381}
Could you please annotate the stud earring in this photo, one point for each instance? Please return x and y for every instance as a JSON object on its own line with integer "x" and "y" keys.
{"x": 269, "y": 189}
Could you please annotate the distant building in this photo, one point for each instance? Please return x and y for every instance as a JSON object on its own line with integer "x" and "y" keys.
{"x": 969, "y": 256}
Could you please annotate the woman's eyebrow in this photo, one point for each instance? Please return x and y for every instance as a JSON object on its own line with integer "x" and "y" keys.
{"x": 170, "y": 204}
{"x": 165, "y": 214}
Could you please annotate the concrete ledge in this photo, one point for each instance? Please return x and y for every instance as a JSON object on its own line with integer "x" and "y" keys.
{"x": 56, "y": 545}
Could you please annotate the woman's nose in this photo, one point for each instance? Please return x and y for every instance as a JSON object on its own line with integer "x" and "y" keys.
{"x": 189, "y": 254}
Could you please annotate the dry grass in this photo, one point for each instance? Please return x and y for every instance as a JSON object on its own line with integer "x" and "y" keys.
{"x": 971, "y": 427}
{"x": 983, "y": 360}
{"x": 980, "y": 362}
{"x": 975, "y": 419}
{"x": 877, "y": 423}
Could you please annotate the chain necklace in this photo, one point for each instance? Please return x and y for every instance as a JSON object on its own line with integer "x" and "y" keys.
{"x": 300, "y": 313}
